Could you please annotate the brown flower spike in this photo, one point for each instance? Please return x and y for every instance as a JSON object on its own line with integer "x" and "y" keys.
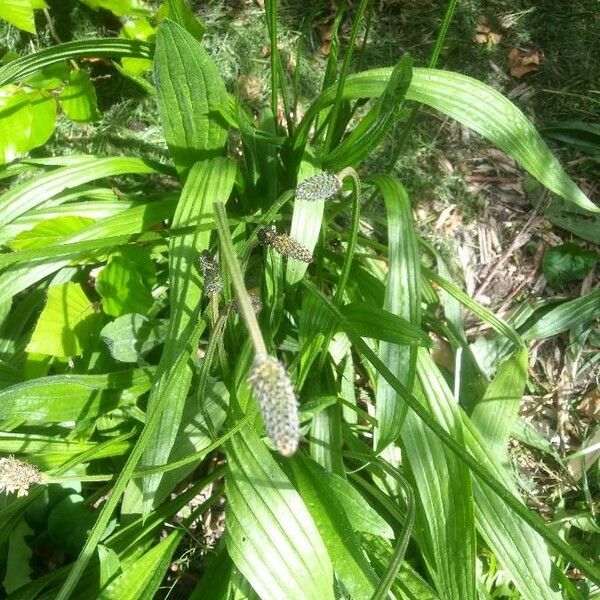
{"x": 284, "y": 244}
{"x": 213, "y": 282}
{"x": 277, "y": 402}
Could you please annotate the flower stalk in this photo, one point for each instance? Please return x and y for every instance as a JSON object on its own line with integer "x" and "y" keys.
{"x": 268, "y": 377}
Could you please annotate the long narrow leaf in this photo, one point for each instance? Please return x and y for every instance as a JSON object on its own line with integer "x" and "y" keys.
{"x": 30, "y": 194}
{"x": 565, "y": 316}
{"x": 446, "y": 519}
{"x": 489, "y": 480}
{"x": 190, "y": 94}
{"x": 21, "y": 68}
{"x": 207, "y": 182}
{"x": 475, "y": 105}
{"x": 20, "y": 276}
{"x": 402, "y": 298}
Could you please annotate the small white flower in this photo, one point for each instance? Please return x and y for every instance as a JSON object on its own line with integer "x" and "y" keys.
{"x": 277, "y": 401}
{"x": 319, "y": 187}
{"x": 17, "y": 475}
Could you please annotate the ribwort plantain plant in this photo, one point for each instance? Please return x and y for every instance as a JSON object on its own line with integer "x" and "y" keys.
{"x": 323, "y": 420}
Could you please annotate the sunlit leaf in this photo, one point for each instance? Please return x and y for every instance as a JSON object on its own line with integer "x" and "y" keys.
{"x": 119, "y": 8}
{"x": 125, "y": 283}
{"x": 20, "y": 13}
{"x": 67, "y": 324}
{"x": 78, "y": 98}
{"x": 137, "y": 29}
{"x": 180, "y": 12}
{"x": 207, "y": 182}
{"x": 142, "y": 578}
{"x": 565, "y": 316}
{"x": 335, "y": 527}
{"x": 48, "y": 232}
{"x": 306, "y": 224}
{"x": 129, "y": 337}
{"x": 26, "y": 66}
{"x": 475, "y": 105}
{"x": 27, "y": 120}
{"x": 402, "y": 298}
{"x": 190, "y": 92}
{"x": 270, "y": 534}
{"x": 59, "y": 398}
{"x": 32, "y": 193}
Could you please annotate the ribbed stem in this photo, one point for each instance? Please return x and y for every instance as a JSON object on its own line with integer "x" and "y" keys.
{"x": 244, "y": 304}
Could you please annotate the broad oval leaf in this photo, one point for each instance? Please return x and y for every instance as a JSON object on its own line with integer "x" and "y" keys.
{"x": 78, "y": 98}
{"x": 125, "y": 284}
{"x": 67, "y": 324}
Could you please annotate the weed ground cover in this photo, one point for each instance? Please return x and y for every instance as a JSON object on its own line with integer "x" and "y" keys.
{"x": 299, "y": 300}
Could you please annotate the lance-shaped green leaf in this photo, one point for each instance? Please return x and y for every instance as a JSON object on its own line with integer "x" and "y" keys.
{"x": 60, "y": 398}
{"x": 485, "y": 470}
{"x": 190, "y": 94}
{"x": 402, "y": 298}
{"x": 565, "y": 316}
{"x": 270, "y": 534}
{"x": 208, "y": 181}
{"x": 22, "y": 68}
{"x": 48, "y": 232}
{"x": 445, "y": 515}
{"x": 347, "y": 557}
{"x": 380, "y": 324}
{"x": 376, "y": 124}
{"x": 497, "y": 411}
{"x": 141, "y": 579}
{"x": 19, "y": 276}
{"x": 35, "y": 192}
{"x": 305, "y": 226}
{"x": 474, "y": 104}
{"x": 520, "y": 550}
